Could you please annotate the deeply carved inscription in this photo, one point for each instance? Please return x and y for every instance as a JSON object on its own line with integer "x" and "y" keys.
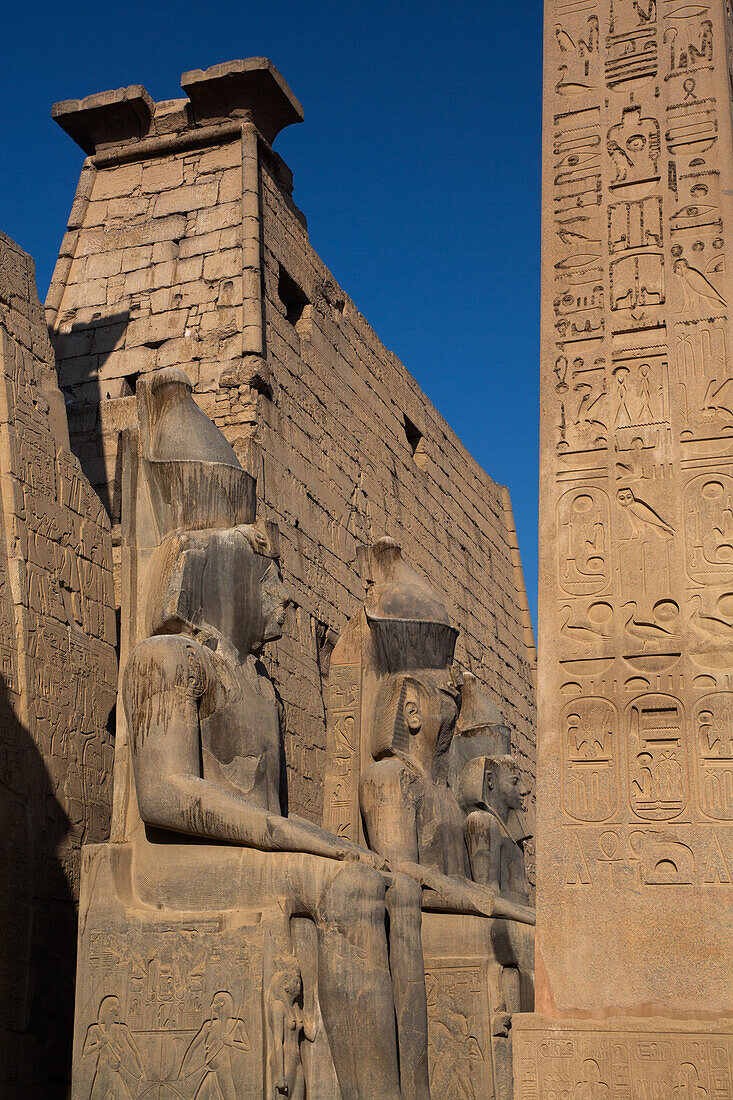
{"x": 636, "y": 591}
{"x": 57, "y": 685}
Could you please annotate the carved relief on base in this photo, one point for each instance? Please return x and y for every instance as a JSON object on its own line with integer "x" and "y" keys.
{"x": 170, "y": 1004}
{"x": 622, "y": 1058}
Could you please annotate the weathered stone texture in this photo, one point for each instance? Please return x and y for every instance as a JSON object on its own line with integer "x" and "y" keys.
{"x": 173, "y": 258}
{"x": 57, "y": 685}
{"x": 635, "y": 776}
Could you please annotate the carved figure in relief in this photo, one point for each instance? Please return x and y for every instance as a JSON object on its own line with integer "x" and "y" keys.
{"x": 696, "y": 288}
{"x": 211, "y": 1050}
{"x": 643, "y": 519}
{"x": 205, "y": 736}
{"x": 119, "y": 1063}
{"x": 688, "y": 1085}
{"x": 287, "y": 1027}
{"x": 623, "y": 416}
{"x": 591, "y": 1086}
{"x": 452, "y": 1039}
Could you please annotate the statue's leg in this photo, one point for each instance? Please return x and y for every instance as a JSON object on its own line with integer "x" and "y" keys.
{"x": 404, "y": 901}
{"x": 354, "y": 984}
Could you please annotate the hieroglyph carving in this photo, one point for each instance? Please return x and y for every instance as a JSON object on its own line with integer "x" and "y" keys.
{"x": 636, "y": 595}
{"x": 638, "y": 1060}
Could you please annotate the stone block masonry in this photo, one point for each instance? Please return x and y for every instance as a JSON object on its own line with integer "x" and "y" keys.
{"x": 185, "y": 248}
{"x": 58, "y": 680}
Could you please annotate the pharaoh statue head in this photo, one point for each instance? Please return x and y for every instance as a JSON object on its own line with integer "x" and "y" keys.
{"x": 415, "y": 710}
{"x": 483, "y": 771}
{"x": 214, "y": 573}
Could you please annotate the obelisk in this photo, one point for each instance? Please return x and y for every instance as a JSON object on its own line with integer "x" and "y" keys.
{"x": 635, "y": 771}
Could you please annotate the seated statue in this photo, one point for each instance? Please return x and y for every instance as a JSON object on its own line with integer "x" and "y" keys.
{"x": 413, "y": 817}
{"x": 204, "y": 822}
{"x": 490, "y": 791}
{"x": 446, "y": 811}
{"x": 411, "y": 813}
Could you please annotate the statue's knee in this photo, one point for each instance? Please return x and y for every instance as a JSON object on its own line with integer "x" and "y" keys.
{"x": 354, "y": 892}
{"x": 405, "y": 892}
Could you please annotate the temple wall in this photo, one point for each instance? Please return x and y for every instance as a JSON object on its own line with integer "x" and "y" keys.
{"x": 174, "y": 256}
{"x": 57, "y": 686}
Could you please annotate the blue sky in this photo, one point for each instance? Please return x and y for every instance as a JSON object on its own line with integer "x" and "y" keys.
{"x": 418, "y": 167}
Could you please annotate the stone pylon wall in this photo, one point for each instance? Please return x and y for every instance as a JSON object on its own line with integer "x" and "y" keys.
{"x": 57, "y": 685}
{"x": 185, "y": 248}
{"x": 635, "y": 792}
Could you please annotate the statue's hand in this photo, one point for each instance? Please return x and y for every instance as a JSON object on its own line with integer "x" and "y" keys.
{"x": 354, "y": 853}
{"x": 255, "y": 537}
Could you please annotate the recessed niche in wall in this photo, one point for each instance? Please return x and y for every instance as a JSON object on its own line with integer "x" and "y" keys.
{"x": 416, "y": 441}
{"x": 296, "y": 302}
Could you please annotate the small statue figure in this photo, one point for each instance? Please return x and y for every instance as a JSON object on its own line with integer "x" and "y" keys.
{"x": 492, "y": 796}
{"x": 288, "y": 1026}
{"x": 490, "y": 789}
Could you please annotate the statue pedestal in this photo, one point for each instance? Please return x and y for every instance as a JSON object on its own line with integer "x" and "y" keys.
{"x": 477, "y": 970}
{"x": 166, "y": 999}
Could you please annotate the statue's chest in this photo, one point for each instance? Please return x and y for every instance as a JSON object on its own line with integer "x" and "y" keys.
{"x": 513, "y": 875}
{"x": 240, "y": 737}
{"x": 440, "y": 829}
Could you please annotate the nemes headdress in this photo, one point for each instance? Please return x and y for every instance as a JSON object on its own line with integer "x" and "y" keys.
{"x": 408, "y": 621}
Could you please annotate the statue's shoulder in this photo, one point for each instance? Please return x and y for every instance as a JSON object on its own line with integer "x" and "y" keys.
{"x": 389, "y": 777}
{"x": 168, "y": 662}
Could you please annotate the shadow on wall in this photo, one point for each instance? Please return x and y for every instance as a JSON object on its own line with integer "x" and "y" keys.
{"x": 83, "y": 354}
{"x": 37, "y": 923}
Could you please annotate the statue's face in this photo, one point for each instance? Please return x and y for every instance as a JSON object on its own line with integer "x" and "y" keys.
{"x": 412, "y": 710}
{"x": 243, "y": 596}
{"x": 275, "y": 599}
{"x": 509, "y": 788}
